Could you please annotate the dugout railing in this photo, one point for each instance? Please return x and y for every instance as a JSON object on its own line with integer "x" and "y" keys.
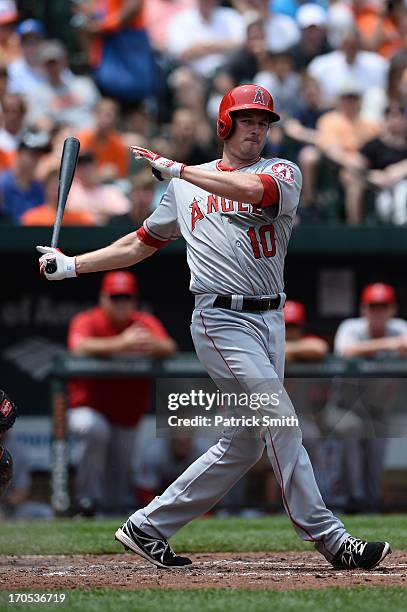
{"x": 183, "y": 365}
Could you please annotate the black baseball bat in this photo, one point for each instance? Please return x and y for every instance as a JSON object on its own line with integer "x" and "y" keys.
{"x": 69, "y": 158}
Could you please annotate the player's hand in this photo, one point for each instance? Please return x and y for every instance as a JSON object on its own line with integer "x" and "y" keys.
{"x": 162, "y": 167}
{"x": 65, "y": 266}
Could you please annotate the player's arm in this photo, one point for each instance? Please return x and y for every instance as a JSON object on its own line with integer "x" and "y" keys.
{"x": 241, "y": 187}
{"x": 126, "y": 251}
{"x": 306, "y": 349}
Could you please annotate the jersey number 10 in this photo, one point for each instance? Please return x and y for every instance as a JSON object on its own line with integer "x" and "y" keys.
{"x": 265, "y": 239}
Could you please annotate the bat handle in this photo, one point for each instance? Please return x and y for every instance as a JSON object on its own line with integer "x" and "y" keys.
{"x": 51, "y": 267}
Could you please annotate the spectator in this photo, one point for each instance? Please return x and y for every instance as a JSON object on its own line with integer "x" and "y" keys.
{"x": 114, "y": 34}
{"x": 282, "y": 32}
{"x": 104, "y": 413}
{"x": 45, "y": 213}
{"x": 142, "y": 195}
{"x": 64, "y": 97}
{"x": 340, "y": 21}
{"x": 184, "y": 138}
{"x": 312, "y": 20}
{"x": 360, "y": 412}
{"x": 376, "y": 100}
{"x": 339, "y": 135}
{"x": 19, "y": 191}
{"x": 14, "y": 114}
{"x": 280, "y": 78}
{"x": 9, "y": 41}
{"x": 299, "y": 346}
{"x": 248, "y": 60}
{"x": 382, "y": 166}
{"x": 158, "y": 16}
{"x": 88, "y": 194}
{"x": 349, "y": 63}
{"x": 302, "y": 126}
{"x": 380, "y": 25}
{"x": 202, "y": 37}
{"x": 376, "y": 333}
{"x": 25, "y": 72}
{"x": 105, "y": 142}
{"x": 16, "y": 503}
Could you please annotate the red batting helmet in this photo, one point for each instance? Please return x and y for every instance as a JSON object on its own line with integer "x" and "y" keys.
{"x": 241, "y": 98}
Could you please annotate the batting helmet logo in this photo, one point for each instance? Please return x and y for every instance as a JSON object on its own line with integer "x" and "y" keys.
{"x": 258, "y": 98}
{"x": 241, "y": 98}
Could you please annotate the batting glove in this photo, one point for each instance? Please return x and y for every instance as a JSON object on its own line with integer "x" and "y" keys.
{"x": 162, "y": 167}
{"x": 65, "y": 266}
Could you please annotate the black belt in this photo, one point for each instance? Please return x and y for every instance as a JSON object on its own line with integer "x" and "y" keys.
{"x": 250, "y": 304}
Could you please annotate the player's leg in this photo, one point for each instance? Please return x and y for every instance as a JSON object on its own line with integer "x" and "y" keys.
{"x": 92, "y": 432}
{"x": 202, "y": 485}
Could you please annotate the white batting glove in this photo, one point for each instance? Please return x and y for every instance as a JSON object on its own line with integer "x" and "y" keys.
{"x": 65, "y": 266}
{"x": 162, "y": 167}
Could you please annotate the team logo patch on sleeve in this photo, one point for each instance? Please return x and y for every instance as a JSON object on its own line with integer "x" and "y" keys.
{"x": 284, "y": 172}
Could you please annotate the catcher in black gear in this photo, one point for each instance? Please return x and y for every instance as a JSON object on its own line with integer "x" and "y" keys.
{"x": 8, "y": 415}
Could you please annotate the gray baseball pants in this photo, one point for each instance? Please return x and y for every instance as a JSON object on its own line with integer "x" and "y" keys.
{"x": 247, "y": 348}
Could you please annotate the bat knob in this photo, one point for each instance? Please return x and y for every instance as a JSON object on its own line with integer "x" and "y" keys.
{"x": 51, "y": 267}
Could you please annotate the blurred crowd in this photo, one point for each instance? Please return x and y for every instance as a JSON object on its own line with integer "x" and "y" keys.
{"x": 152, "y": 73}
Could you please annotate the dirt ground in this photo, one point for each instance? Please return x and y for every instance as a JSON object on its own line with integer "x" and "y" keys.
{"x": 279, "y": 571}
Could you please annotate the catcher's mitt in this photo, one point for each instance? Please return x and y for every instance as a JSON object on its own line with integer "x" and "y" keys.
{"x": 6, "y": 469}
{"x": 8, "y": 411}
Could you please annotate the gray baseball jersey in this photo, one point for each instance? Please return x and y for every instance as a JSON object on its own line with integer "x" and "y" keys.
{"x": 235, "y": 248}
{"x": 232, "y": 247}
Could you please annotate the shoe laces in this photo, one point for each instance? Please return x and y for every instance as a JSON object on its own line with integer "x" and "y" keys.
{"x": 355, "y": 546}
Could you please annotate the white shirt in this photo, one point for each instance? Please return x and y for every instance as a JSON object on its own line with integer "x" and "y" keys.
{"x": 189, "y": 27}
{"x": 72, "y": 102}
{"x": 332, "y": 72}
{"x": 23, "y": 78}
{"x": 356, "y": 330}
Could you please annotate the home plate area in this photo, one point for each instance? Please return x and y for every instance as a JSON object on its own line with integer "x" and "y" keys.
{"x": 279, "y": 571}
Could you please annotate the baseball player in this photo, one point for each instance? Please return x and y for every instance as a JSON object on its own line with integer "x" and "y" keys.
{"x": 236, "y": 216}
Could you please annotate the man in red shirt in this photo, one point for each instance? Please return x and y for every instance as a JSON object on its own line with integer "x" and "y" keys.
{"x": 105, "y": 412}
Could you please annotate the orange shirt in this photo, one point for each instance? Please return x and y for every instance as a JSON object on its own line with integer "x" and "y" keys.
{"x": 335, "y": 129}
{"x": 111, "y": 150}
{"x": 109, "y": 12}
{"x": 45, "y": 215}
{"x": 123, "y": 401}
{"x": 368, "y": 22}
{"x": 7, "y": 159}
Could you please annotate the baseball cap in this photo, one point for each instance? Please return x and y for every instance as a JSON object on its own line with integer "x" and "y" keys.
{"x": 311, "y": 15}
{"x": 378, "y": 293}
{"x": 51, "y": 50}
{"x": 119, "y": 283}
{"x": 294, "y": 313}
{"x": 350, "y": 88}
{"x": 35, "y": 141}
{"x": 8, "y": 12}
{"x": 30, "y": 26}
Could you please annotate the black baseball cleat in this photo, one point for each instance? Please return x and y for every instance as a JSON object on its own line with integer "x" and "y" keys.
{"x": 358, "y": 554}
{"x": 156, "y": 550}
